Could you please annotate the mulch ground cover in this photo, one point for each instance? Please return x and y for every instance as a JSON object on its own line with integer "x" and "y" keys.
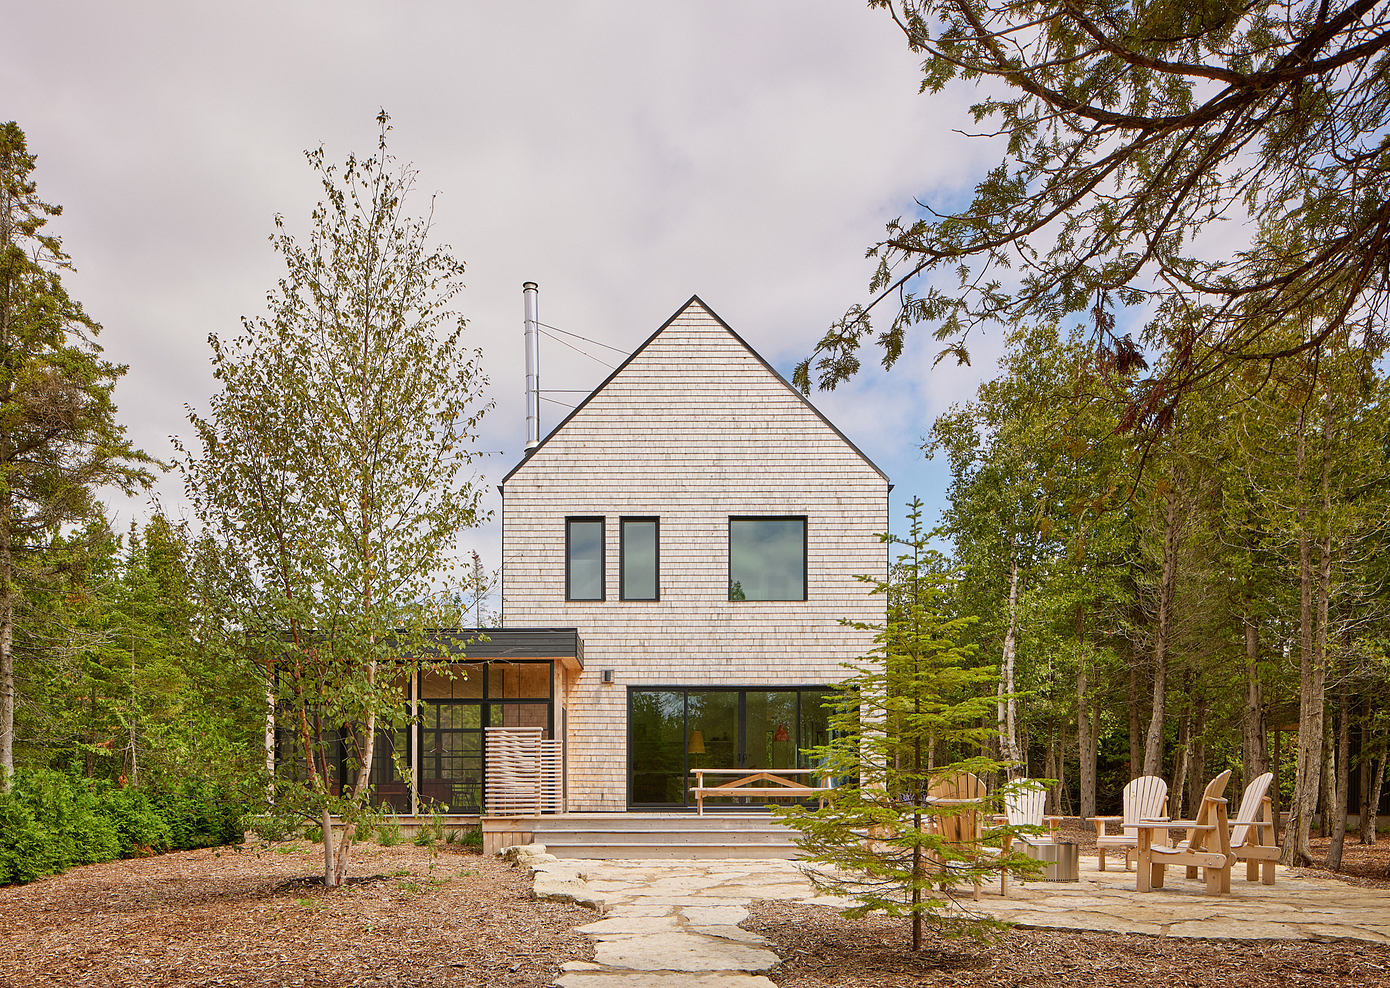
{"x": 820, "y": 948}
{"x": 257, "y": 916}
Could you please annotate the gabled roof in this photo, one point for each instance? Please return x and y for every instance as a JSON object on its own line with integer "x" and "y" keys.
{"x": 694, "y": 300}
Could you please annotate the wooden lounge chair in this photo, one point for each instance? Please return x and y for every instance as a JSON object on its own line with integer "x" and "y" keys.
{"x": 1023, "y": 807}
{"x": 1208, "y": 844}
{"x": 1145, "y": 798}
{"x": 1253, "y": 837}
{"x": 964, "y": 826}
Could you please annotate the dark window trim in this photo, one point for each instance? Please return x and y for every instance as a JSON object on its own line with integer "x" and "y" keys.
{"x": 602, "y": 558}
{"x": 805, "y": 555}
{"x": 622, "y": 554}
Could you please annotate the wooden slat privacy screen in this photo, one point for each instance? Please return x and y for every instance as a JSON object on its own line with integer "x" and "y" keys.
{"x": 524, "y": 772}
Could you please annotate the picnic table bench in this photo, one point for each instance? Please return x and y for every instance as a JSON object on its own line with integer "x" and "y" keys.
{"x": 768, "y": 783}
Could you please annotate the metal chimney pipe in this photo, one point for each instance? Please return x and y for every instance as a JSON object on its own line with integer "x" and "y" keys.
{"x": 529, "y": 292}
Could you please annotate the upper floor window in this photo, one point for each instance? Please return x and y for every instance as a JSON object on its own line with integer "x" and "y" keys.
{"x": 767, "y": 558}
{"x": 584, "y": 559}
{"x": 638, "y": 569}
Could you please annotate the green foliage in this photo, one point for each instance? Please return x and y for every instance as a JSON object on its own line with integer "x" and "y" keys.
{"x": 1128, "y": 132}
{"x": 272, "y": 827}
{"x": 910, "y": 716}
{"x": 59, "y": 439}
{"x": 431, "y": 829}
{"x": 52, "y": 821}
{"x": 388, "y": 834}
{"x": 139, "y": 827}
{"x": 335, "y": 466}
{"x": 26, "y": 850}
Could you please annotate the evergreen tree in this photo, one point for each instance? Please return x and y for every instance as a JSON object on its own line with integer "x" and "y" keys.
{"x": 912, "y": 714}
{"x": 59, "y": 439}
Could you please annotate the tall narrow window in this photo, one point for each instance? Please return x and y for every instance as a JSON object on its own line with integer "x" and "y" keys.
{"x": 638, "y": 568}
{"x": 584, "y": 559}
{"x": 767, "y": 558}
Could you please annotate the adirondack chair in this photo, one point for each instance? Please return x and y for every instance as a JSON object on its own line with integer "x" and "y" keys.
{"x": 1145, "y": 798}
{"x": 1208, "y": 844}
{"x": 966, "y": 825}
{"x": 1023, "y": 807}
{"x": 1253, "y": 837}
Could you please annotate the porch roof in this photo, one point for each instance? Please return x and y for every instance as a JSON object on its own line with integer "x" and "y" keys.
{"x": 561, "y": 644}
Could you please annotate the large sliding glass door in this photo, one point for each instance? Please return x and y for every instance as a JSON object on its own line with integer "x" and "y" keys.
{"x": 674, "y": 730}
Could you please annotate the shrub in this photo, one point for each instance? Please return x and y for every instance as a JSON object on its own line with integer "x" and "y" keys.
{"x": 389, "y": 832}
{"x": 52, "y": 821}
{"x": 26, "y": 852}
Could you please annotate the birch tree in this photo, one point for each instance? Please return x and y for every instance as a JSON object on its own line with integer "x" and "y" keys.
{"x": 336, "y": 461}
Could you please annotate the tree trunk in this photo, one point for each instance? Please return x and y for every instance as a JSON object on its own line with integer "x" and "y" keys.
{"x": 1153, "y": 741}
{"x": 1054, "y": 803}
{"x": 1007, "y": 704}
{"x": 1085, "y": 728}
{"x": 1312, "y": 678}
{"x": 1276, "y": 802}
{"x": 1136, "y": 758}
{"x": 1365, "y": 760}
{"x": 330, "y": 871}
{"x": 1177, "y": 792}
{"x": 1341, "y": 779}
{"x": 1063, "y": 796}
{"x": 1197, "y": 760}
{"x": 7, "y": 506}
{"x": 1255, "y": 754}
{"x": 1377, "y": 782}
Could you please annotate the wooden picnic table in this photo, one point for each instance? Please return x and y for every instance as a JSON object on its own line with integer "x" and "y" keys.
{"x": 775, "y": 784}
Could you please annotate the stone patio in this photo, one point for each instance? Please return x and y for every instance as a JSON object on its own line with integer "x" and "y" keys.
{"x": 677, "y": 921}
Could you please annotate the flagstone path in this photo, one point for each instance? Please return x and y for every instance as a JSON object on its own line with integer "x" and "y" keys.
{"x": 676, "y": 922}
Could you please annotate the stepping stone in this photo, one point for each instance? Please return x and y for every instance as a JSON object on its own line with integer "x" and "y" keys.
{"x": 715, "y": 915}
{"x": 682, "y": 952}
{"x": 631, "y": 924}
{"x": 661, "y": 979}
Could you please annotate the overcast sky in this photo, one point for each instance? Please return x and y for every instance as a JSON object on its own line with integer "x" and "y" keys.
{"x": 623, "y": 155}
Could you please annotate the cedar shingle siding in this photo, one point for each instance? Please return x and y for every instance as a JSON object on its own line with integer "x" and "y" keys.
{"x": 692, "y": 429}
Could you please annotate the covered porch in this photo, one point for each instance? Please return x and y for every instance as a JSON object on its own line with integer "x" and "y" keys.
{"x": 509, "y": 686}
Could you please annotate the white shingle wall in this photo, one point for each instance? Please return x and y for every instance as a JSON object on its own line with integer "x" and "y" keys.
{"x": 693, "y": 430}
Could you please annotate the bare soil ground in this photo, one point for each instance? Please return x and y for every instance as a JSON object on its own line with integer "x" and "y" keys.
{"x": 258, "y": 916}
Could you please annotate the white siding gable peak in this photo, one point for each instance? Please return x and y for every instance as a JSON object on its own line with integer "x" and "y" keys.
{"x": 697, "y": 361}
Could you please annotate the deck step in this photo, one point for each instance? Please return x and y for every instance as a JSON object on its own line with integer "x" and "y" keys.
{"x": 665, "y": 835}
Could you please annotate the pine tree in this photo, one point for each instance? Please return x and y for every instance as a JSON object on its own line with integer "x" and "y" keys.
{"x": 914, "y": 713}
{"x": 59, "y": 440}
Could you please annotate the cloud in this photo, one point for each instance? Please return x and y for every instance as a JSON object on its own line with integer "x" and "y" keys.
{"x": 623, "y": 155}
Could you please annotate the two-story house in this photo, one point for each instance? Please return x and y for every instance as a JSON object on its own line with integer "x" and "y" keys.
{"x": 700, "y": 525}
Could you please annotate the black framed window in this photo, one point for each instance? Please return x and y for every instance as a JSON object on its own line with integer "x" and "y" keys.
{"x": 673, "y": 730}
{"x": 639, "y": 571}
{"x": 584, "y": 559}
{"x": 767, "y": 558}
